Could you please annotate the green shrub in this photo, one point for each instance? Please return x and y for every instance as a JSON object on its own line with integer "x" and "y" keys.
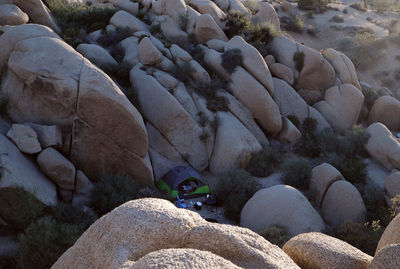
{"x": 112, "y": 38}
{"x": 218, "y": 103}
{"x": 114, "y": 190}
{"x": 234, "y": 188}
{"x": 209, "y": 91}
{"x": 44, "y": 241}
{"x": 155, "y": 29}
{"x": 362, "y": 236}
{"x": 312, "y": 4}
{"x": 251, "y": 5}
{"x": 231, "y": 59}
{"x": 236, "y": 23}
{"x": 374, "y": 200}
{"x": 275, "y": 235}
{"x": 293, "y": 23}
{"x": 294, "y": 120}
{"x": 353, "y": 168}
{"x": 119, "y": 72}
{"x": 298, "y": 58}
{"x": 262, "y": 163}
{"x": 296, "y": 172}
{"x": 183, "y": 72}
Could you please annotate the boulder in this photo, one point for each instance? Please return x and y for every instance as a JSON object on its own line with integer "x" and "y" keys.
{"x": 207, "y": 29}
{"x": 283, "y": 206}
{"x": 19, "y": 171}
{"x": 386, "y": 110}
{"x": 269, "y": 60}
{"x": 139, "y": 227}
{"x": 126, "y": 5}
{"x": 343, "y": 202}
{"x": 252, "y": 61}
{"x": 209, "y": 7}
{"x": 130, "y": 46}
{"x": 238, "y": 6}
{"x": 48, "y": 135}
{"x": 257, "y": 100}
{"x": 282, "y": 72}
{"x": 343, "y": 66}
{"x": 12, "y": 15}
{"x": 124, "y": 19}
{"x": 213, "y": 60}
{"x": 172, "y": 30}
{"x": 289, "y": 133}
{"x": 311, "y": 97}
{"x": 170, "y": 118}
{"x": 233, "y": 144}
{"x": 182, "y": 258}
{"x": 148, "y": 54}
{"x": 96, "y": 54}
{"x": 82, "y": 183}
{"x": 341, "y": 107}
{"x": 317, "y": 250}
{"x": 291, "y": 104}
{"x": 383, "y": 146}
{"x": 391, "y": 235}
{"x": 387, "y": 258}
{"x": 222, "y": 4}
{"x": 316, "y": 74}
{"x": 25, "y": 138}
{"x": 57, "y": 168}
{"x": 322, "y": 177}
{"x": 392, "y": 186}
{"x": 107, "y": 133}
{"x": 266, "y": 13}
{"x": 173, "y": 8}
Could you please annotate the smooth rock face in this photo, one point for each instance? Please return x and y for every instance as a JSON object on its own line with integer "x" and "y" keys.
{"x": 97, "y": 54}
{"x": 383, "y": 146}
{"x": 317, "y": 250}
{"x": 343, "y": 202}
{"x": 144, "y": 226}
{"x": 25, "y": 138}
{"x": 108, "y": 133}
{"x": 283, "y": 206}
{"x": 341, "y": 107}
{"x": 182, "y": 258}
{"x": 391, "y": 235}
{"x": 316, "y": 74}
{"x": 57, "y": 168}
{"x": 12, "y": 15}
{"x": 282, "y": 72}
{"x": 48, "y": 135}
{"x": 387, "y": 258}
{"x": 124, "y": 19}
{"x": 257, "y": 100}
{"x": 233, "y": 144}
{"x": 252, "y": 61}
{"x": 322, "y": 177}
{"x": 18, "y": 171}
{"x": 266, "y": 13}
{"x": 386, "y": 110}
{"x": 392, "y": 185}
{"x": 343, "y": 66}
{"x": 207, "y": 29}
{"x": 148, "y": 53}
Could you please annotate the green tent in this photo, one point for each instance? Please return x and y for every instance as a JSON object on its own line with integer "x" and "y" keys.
{"x": 185, "y": 182}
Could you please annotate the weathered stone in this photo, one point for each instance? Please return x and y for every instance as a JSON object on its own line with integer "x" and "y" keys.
{"x": 48, "y": 135}
{"x": 322, "y": 177}
{"x": 391, "y": 235}
{"x": 386, "y": 110}
{"x": 289, "y": 133}
{"x": 96, "y": 54}
{"x": 12, "y": 15}
{"x": 387, "y": 258}
{"x": 25, "y": 138}
{"x": 206, "y": 29}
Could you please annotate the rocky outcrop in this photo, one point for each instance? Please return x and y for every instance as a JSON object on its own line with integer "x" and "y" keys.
{"x": 392, "y": 186}
{"x": 322, "y": 177}
{"x": 64, "y": 89}
{"x": 207, "y": 29}
{"x": 317, "y": 250}
{"x": 283, "y": 206}
{"x": 387, "y": 258}
{"x": 25, "y": 138}
{"x": 12, "y": 15}
{"x": 386, "y": 110}
{"x": 391, "y": 235}
{"x": 145, "y": 226}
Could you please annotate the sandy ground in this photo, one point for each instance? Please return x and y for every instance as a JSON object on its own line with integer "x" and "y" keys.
{"x": 331, "y": 33}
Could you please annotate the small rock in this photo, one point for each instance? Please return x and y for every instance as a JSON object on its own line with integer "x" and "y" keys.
{"x": 48, "y": 135}
{"x": 25, "y": 138}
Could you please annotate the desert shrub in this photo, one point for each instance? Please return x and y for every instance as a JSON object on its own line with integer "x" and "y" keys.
{"x": 298, "y": 58}
{"x": 275, "y": 235}
{"x": 182, "y": 72}
{"x": 231, "y": 59}
{"x": 112, "y": 38}
{"x": 73, "y": 18}
{"x": 353, "y": 168}
{"x": 395, "y": 208}
{"x": 114, "y": 190}
{"x": 358, "y": 6}
{"x": 209, "y": 90}
{"x": 44, "y": 241}
{"x": 234, "y": 188}
{"x": 155, "y": 29}
{"x": 374, "y": 200}
{"x": 296, "y": 172}
{"x": 236, "y": 24}
{"x": 293, "y": 23}
{"x": 1, "y": 32}
{"x": 3, "y": 104}
{"x": 294, "y": 120}
{"x": 263, "y": 163}
{"x": 119, "y": 72}
{"x": 251, "y": 5}
{"x": 362, "y": 236}
{"x": 8, "y": 263}
{"x": 312, "y": 4}
{"x": 311, "y": 30}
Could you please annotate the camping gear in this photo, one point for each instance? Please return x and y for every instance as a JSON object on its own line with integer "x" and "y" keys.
{"x": 210, "y": 200}
{"x": 198, "y": 205}
{"x": 185, "y": 182}
{"x": 180, "y": 203}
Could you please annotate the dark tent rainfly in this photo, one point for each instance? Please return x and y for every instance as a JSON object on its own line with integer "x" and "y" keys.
{"x": 185, "y": 182}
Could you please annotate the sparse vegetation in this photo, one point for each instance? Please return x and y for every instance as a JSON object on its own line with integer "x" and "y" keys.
{"x": 298, "y": 58}
{"x": 293, "y": 23}
{"x": 296, "y": 172}
{"x": 312, "y": 4}
{"x": 264, "y": 162}
{"x": 233, "y": 190}
{"x": 275, "y": 235}
{"x": 231, "y": 59}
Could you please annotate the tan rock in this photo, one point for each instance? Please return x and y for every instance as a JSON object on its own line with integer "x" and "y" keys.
{"x": 257, "y": 100}
{"x": 391, "y": 235}
{"x": 266, "y": 13}
{"x": 387, "y": 258}
{"x": 322, "y": 177}
{"x": 269, "y": 59}
{"x": 96, "y": 54}
{"x": 317, "y": 250}
{"x": 12, "y": 15}
{"x": 341, "y": 107}
{"x": 144, "y": 226}
{"x": 209, "y": 7}
{"x": 148, "y": 54}
{"x": 283, "y": 72}
{"x": 48, "y": 135}
{"x": 253, "y": 62}
{"x": 311, "y": 97}
{"x": 283, "y": 206}
{"x": 238, "y": 6}
{"x": 386, "y": 110}
{"x": 392, "y": 185}
{"x": 38, "y": 13}
{"x": 207, "y": 29}
{"x": 124, "y": 19}
{"x": 343, "y": 202}
{"x": 383, "y": 146}
{"x": 25, "y": 138}
{"x": 343, "y": 66}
